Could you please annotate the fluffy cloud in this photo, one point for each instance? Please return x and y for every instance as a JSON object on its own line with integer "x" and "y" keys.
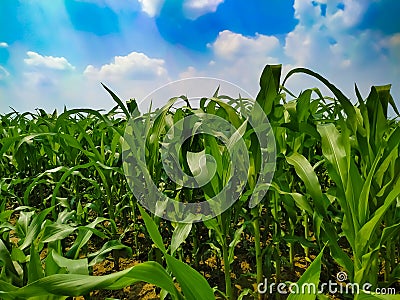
{"x": 131, "y": 76}
{"x": 39, "y": 79}
{"x": 345, "y": 14}
{"x": 230, "y": 45}
{"x": 339, "y": 14}
{"x": 46, "y": 74}
{"x": 133, "y": 66}
{"x": 325, "y": 40}
{"x": 39, "y": 84}
{"x": 190, "y": 72}
{"x": 239, "y": 59}
{"x": 392, "y": 43}
{"x": 50, "y": 62}
{"x": 151, "y": 7}
{"x": 196, "y": 8}
{"x": 328, "y": 41}
{"x": 322, "y": 32}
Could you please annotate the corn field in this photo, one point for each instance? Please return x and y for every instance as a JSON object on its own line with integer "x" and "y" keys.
{"x": 330, "y": 213}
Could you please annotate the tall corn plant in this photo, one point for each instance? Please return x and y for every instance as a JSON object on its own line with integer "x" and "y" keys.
{"x": 268, "y": 99}
{"x": 361, "y": 153}
{"x": 192, "y": 283}
{"x": 188, "y": 158}
{"x": 293, "y": 124}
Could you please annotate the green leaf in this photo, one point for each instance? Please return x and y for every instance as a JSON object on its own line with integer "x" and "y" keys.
{"x": 85, "y": 232}
{"x": 194, "y": 286}
{"x": 269, "y": 87}
{"x": 179, "y": 235}
{"x": 364, "y": 236}
{"x": 339, "y": 169}
{"x": 310, "y": 278}
{"x": 377, "y": 105}
{"x": 73, "y": 266}
{"x": 35, "y": 270}
{"x": 119, "y": 101}
{"x": 201, "y": 167}
{"x": 390, "y": 232}
{"x": 74, "y": 285}
{"x": 236, "y": 240}
{"x": 343, "y": 100}
{"x": 303, "y": 105}
{"x": 56, "y": 231}
{"x": 300, "y": 200}
{"x": 108, "y": 247}
{"x": 334, "y": 151}
{"x": 152, "y": 229}
{"x": 233, "y": 115}
{"x": 8, "y": 271}
{"x": 307, "y": 174}
{"x": 34, "y": 227}
{"x": 214, "y": 225}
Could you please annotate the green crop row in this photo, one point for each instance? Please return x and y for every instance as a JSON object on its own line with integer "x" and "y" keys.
{"x": 333, "y": 203}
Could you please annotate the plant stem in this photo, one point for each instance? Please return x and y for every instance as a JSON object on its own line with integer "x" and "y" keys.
{"x": 291, "y": 247}
{"x": 306, "y": 233}
{"x": 227, "y": 271}
{"x": 195, "y": 247}
{"x": 257, "y": 245}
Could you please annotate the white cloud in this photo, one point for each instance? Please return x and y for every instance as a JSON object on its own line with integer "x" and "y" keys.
{"x": 189, "y": 72}
{"x": 318, "y": 38}
{"x": 310, "y": 12}
{"x": 326, "y": 39}
{"x": 305, "y": 12}
{"x": 395, "y": 39}
{"x": 301, "y": 46}
{"x": 50, "y": 62}
{"x": 131, "y": 76}
{"x": 196, "y": 8}
{"x": 347, "y": 17}
{"x": 324, "y": 42}
{"x": 239, "y": 59}
{"x": 133, "y": 66}
{"x": 151, "y": 7}
{"x": 49, "y": 90}
{"x": 331, "y": 46}
{"x": 3, "y": 45}
{"x": 230, "y": 45}
{"x": 39, "y": 79}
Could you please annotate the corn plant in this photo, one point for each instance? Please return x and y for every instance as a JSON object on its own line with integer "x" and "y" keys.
{"x": 355, "y": 147}
{"x": 333, "y": 201}
{"x": 22, "y": 275}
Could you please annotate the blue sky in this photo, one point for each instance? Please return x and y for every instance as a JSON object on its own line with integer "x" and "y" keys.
{"x": 56, "y": 53}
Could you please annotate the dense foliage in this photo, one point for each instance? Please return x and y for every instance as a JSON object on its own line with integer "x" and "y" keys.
{"x": 333, "y": 204}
